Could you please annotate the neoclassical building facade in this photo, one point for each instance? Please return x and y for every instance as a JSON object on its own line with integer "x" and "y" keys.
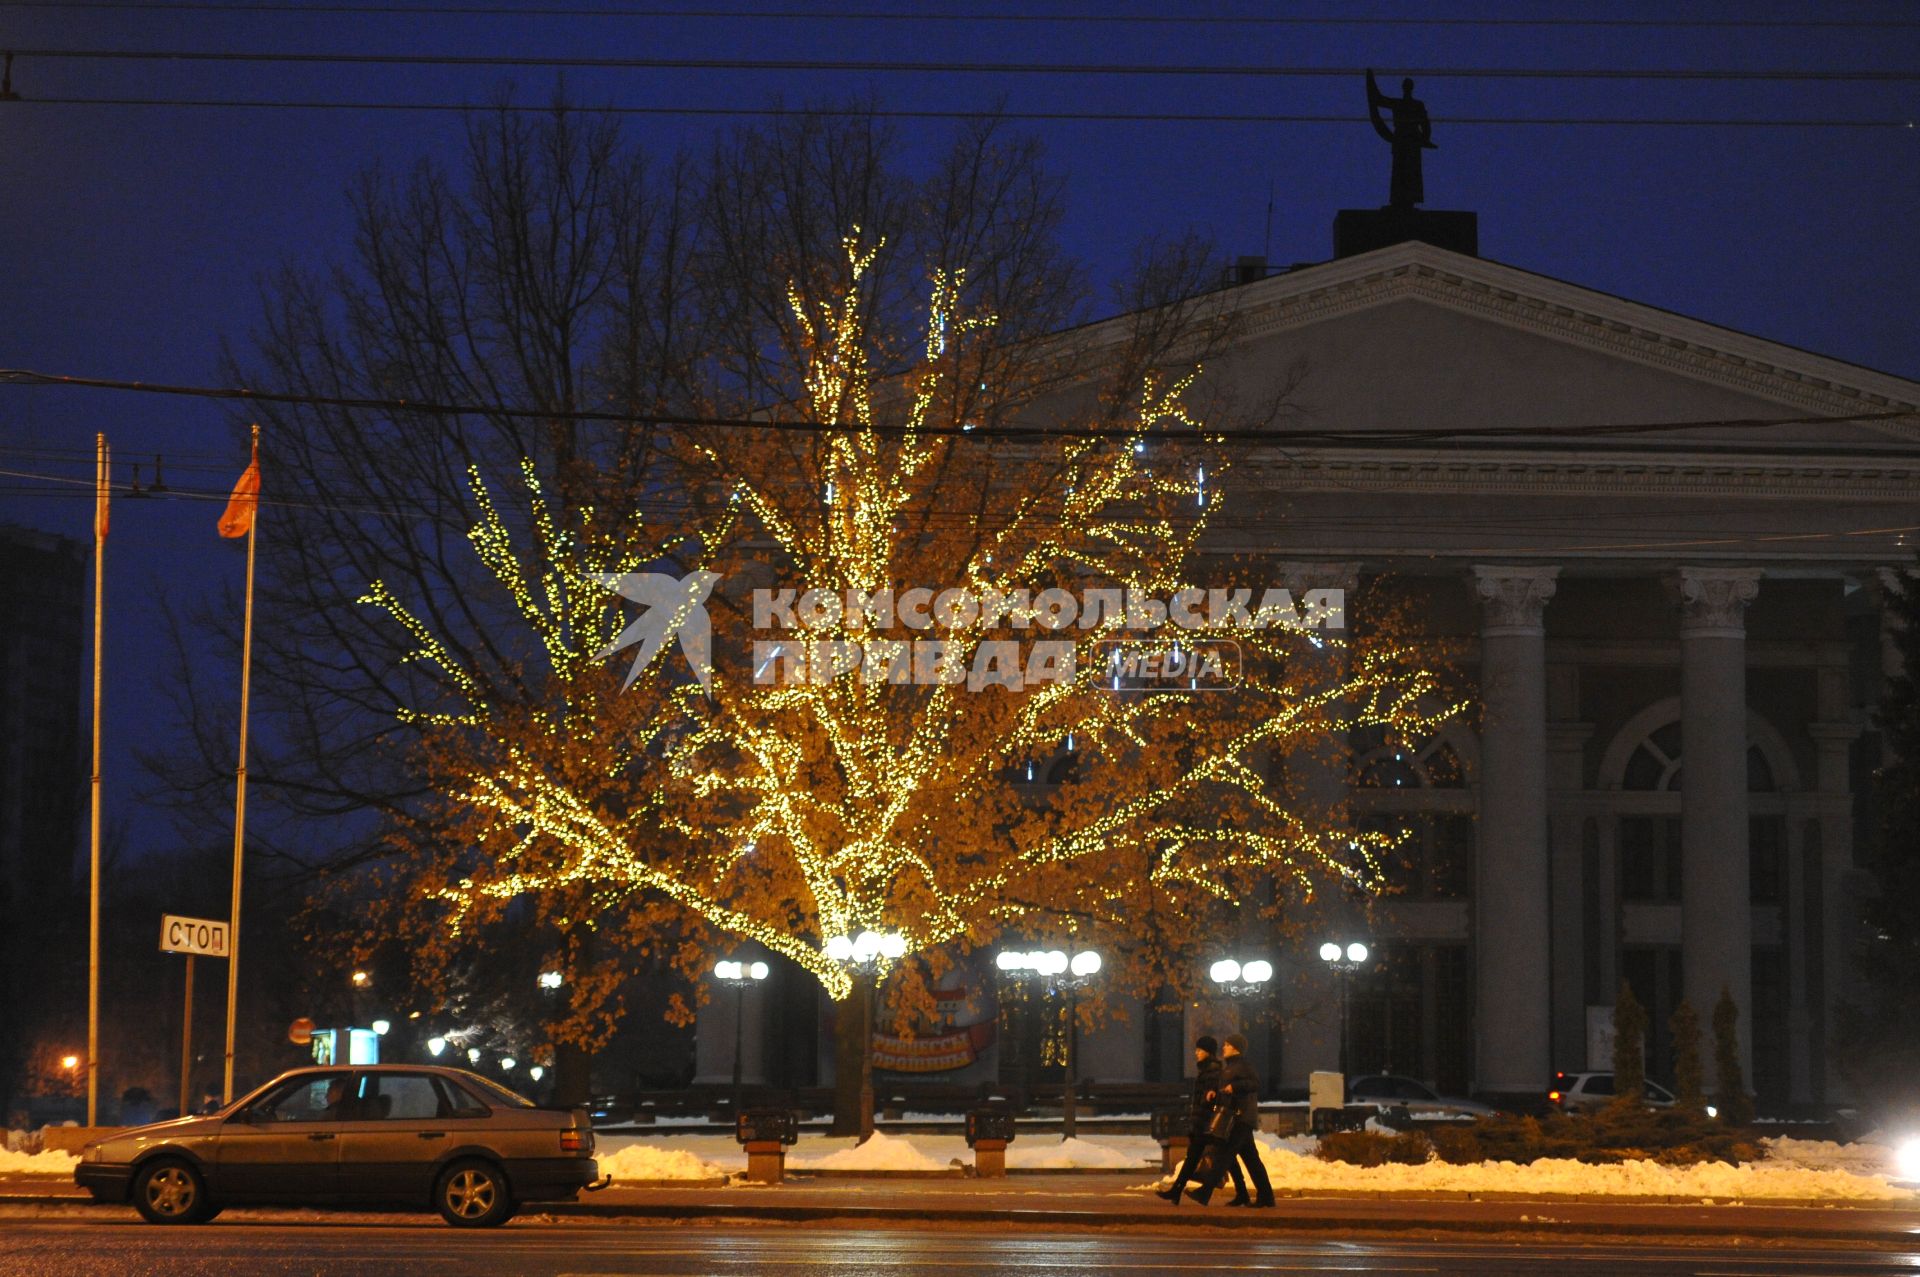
{"x": 1657, "y": 546}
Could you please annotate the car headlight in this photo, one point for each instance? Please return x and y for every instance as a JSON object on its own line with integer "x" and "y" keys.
{"x": 1907, "y": 1158}
{"x": 91, "y": 1153}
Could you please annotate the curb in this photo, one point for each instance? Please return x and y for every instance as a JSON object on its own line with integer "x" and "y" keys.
{"x": 1279, "y": 1221}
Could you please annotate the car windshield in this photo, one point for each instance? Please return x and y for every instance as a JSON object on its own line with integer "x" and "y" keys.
{"x": 494, "y": 1091}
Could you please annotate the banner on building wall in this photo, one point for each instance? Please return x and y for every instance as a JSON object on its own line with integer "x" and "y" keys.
{"x": 935, "y": 1054}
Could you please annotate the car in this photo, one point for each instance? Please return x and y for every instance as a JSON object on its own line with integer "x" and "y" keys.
{"x": 1421, "y": 1102}
{"x": 399, "y": 1135}
{"x": 1582, "y": 1092}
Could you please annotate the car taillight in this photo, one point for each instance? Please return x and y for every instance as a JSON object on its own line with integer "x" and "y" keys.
{"x": 1553, "y": 1097}
{"x": 577, "y": 1142}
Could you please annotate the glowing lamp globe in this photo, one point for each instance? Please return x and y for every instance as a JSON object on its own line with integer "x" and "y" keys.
{"x": 1225, "y": 971}
{"x": 1330, "y": 952}
{"x": 1086, "y": 963}
{"x": 1356, "y": 952}
{"x": 436, "y": 1045}
{"x": 839, "y": 948}
{"x": 893, "y": 946}
{"x": 758, "y": 971}
{"x": 1259, "y": 971}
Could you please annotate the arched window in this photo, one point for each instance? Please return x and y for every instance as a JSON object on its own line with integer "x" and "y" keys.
{"x": 1383, "y": 762}
{"x": 1655, "y": 764}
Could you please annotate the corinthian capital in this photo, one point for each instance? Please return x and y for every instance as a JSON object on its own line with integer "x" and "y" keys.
{"x": 1512, "y": 598}
{"x": 1713, "y": 601}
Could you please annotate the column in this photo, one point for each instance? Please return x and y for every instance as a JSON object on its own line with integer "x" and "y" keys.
{"x": 1716, "y": 919}
{"x": 1308, "y": 991}
{"x": 1827, "y": 914}
{"x": 1512, "y": 1007}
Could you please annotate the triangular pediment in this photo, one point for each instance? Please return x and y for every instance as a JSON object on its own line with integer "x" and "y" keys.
{"x": 1414, "y": 337}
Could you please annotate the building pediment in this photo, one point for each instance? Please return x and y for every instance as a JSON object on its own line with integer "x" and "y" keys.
{"x": 1414, "y": 337}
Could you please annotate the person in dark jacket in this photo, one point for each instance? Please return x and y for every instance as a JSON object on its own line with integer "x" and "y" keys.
{"x": 1241, "y": 1085}
{"x": 1206, "y": 1094}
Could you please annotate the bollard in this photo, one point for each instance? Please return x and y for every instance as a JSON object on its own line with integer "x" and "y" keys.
{"x": 766, "y": 1133}
{"x": 989, "y": 1131}
{"x": 1169, "y": 1127}
{"x": 766, "y": 1161}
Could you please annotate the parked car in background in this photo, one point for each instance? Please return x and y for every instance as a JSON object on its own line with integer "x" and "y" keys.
{"x": 1584, "y": 1092}
{"x": 1421, "y": 1102}
{"x": 407, "y": 1136}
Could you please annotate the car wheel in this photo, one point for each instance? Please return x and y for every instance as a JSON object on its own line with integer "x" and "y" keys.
{"x": 473, "y": 1194}
{"x": 170, "y": 1191}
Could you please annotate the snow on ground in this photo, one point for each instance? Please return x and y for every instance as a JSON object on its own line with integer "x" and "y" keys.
{"x": 1303, "y": 1172}
{"x": 1814, "y": 1170}
{"x": 1862, "y": 1157}
{"x": 881, "y": 1152}
{"x": 1118, "y": 1153}
{"x": 650, "y": 1161}
{"x": 14, "y": 1163}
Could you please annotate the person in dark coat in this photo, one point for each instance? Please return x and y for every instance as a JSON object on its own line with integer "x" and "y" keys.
{"x": 1241, "y": 1085}
{"x": 1206, "y": 1094}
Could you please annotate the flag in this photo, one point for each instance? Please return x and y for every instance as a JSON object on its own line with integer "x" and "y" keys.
{"x": 238, "y": 519}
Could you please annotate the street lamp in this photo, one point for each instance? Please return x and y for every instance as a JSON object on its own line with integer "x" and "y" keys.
{"x": 69, "y": 1062}
{"x": 1238, "y": 979}
{"x": 382, "y": 1027}
{"x": 435, "y": 1046}
{"x": 1057, "y": 973}
{"x": 742, "y": 976}
{"x": 551, "y": 979}
{"x": 1346, "y": 959}
{"x": 869, "y": 953}
{"x": 506, "y": 1063}
{"x": 361, "y": 980}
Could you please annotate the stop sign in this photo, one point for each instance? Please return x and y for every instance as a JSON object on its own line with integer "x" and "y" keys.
{"x": 300, "y": 1032}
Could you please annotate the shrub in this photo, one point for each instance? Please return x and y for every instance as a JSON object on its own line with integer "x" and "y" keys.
{"x": 1457, "y": 1144}
{"x": 1371, "y": 1148}
{"x": 1629, "y": 1046}
{"x": 1736, "y": 1106}
{"x": 1689, "y": 1077}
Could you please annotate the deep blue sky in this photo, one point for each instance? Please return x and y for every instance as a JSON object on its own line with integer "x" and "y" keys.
{"x": 130, "y": 238}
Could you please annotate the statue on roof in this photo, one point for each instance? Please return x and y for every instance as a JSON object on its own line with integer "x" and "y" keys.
{"x": 1410, "y": 133}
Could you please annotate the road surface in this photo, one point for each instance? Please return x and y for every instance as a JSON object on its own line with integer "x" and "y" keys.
{"x": 279, "y": 1246}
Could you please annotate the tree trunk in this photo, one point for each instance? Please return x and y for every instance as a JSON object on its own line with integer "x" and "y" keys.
{"x": 572, "y": 1074}
{"x": 850, "y": 1047}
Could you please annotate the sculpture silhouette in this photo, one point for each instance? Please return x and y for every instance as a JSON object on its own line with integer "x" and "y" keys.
{"x": 1411, "y": 133}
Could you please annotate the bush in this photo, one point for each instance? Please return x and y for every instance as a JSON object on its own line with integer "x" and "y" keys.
{"x": 1689, "y": 1077}
{"x": 1371, "y": 1148}
{"x": 1457, "y": 1144}
{"x": 1736, "y": 1105}
{"x": 1629, "y": 1045}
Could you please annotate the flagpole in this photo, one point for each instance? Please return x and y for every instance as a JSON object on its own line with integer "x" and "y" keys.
{"x": 100, "y": 475}
{"x": 240, "y": 790}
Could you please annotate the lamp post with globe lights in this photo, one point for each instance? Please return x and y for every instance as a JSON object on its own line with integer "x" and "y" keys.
{"x": 1057, "y": 972}
{"x": 1346, "y": 959}
{"x": 741, "y": 976}
{"x": 869, "y": 954}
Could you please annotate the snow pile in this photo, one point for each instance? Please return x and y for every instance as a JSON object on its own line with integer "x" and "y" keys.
{"x": 1861, "y": 1158}
{"x": 881, "y": 1152}
{"x": 650, "y": 1161}
{"x": 12, "y": 1163}
{"x": 1079, "y": 1154}
{"x": 1564, "y": 1176}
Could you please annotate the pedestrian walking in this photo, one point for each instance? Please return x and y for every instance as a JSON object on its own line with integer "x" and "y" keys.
{"x": 1241, "y": 1085}
{"x": 1207, "y": 1100}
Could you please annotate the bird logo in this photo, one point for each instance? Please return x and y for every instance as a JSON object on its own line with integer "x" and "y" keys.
{"x": 669, "y": 606}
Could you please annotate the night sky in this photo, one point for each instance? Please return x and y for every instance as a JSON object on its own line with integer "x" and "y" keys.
{"x": 131, "y": 237}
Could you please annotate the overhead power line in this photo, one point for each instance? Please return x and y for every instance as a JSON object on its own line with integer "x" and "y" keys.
{"x": 1070, "y": 117}
{"x": 845, "y": 66}
{"x": 912, "y": 16}
{"x": 1255, "y": 435}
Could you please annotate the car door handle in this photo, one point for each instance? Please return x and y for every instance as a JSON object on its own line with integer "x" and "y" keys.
{"x": 321, "y": 1135}
{"x": 433, "y": 1135}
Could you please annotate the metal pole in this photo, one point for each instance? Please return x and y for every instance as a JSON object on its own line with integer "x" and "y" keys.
{"x": 739, "y": 1014}
{"x": 866, "y": 1058}
{"x": 1067, "y": 1104}
{"x": 240, "y": 794}
{"x": 186, "y": 1040}
{"x": 1345, "y": 1033}
{"x": 100, "y": 501}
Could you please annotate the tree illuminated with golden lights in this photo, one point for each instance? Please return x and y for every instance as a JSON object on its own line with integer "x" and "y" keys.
{"x": 832, "y": 777}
